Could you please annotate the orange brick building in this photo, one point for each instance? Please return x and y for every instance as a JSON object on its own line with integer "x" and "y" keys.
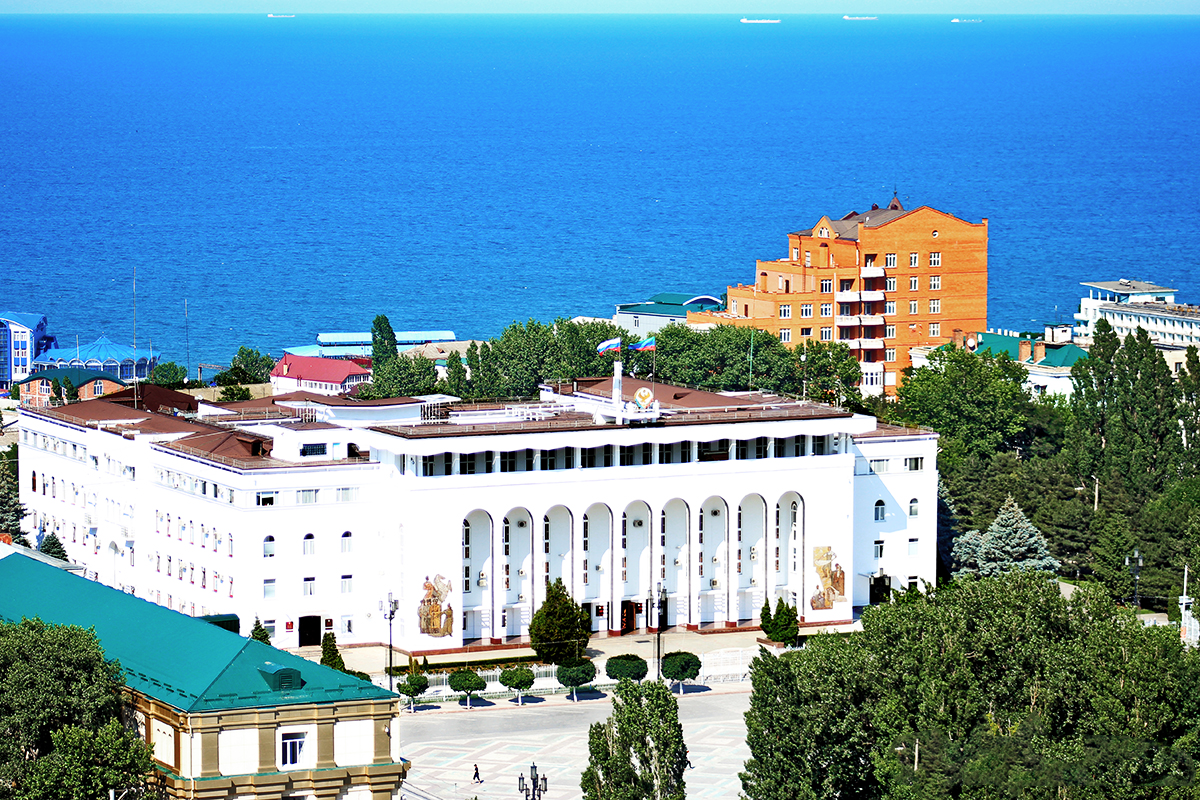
{"x": 880, "y": 282}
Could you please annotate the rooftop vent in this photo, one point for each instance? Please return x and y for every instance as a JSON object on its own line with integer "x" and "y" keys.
{"x": 279, "y": 677}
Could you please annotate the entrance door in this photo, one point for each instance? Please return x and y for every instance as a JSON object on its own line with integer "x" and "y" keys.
{"x": 628, "y": 616}
{"x": 310, "y": 631}
{"x": 663, "y": 612}
{"x": 880, "y": 589}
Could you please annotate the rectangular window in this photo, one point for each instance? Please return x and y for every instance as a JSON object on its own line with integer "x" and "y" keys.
{"x": 889, "y": 307}
{"x": 879, "y": 466}
{"x": 935, "y": 282}
{"x": 347, "y": 494}
{"x": 808, "y": 259}
{"x": 826, "y": 334}
{"x": 935, "y": 329}
{"x": 845, "y": 309}
{"x": 266, "y": 498}
{"x": 309, "y": 587}
{"x": 935, "y": 306}
{"x": 291, "y": 745}
{"x": 912, "y": 582}
{"x": 889, "y": 260}
{"x": 878, "y": 550}
{"x": 826, "y": 285}
{"x": 889, "y": 284}
{"x": 785, "y": 335}
{"x": 935, "y": 259}
{"x": 466, "y": 579}
{"x": 806, "y": 310}
{"x": 508, "y": 462}
{"x": 785, "y": 312}
{"x": 347, "y": 584}
{"x": 826, "y": 309}
{"x": 913, "y": 308}
{"x": 912, "y": 547}
{"x": 913, "y": 260}
{"x": 806, "y": 331}
{"x": 347, "y": 624}
{"x": 889, "y": 354}
{"x": 914, "y": 283}
{"x": 915, "y": 464}
{"x": 268, "y": 588}
{"x": 306, "y": 497}
{"x": 312, "y": 449}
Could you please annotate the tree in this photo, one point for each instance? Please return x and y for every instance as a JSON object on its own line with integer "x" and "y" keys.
{"x": 12, "y": 510}
{"x": 234, "y": 394}
{"x": 421, "y": 377}
{"x": 472, "y": 357}
{"x": 560, "y": 629}
{"x": 52, "y": 547}
{"x": 1147, "y": 445}
{"x": 1114, "y": 544}
{"x": 485, "y": 381}
{"x": 1013, "y": 543}
{"x": 639, "y": 752}
{"x": 827, "y": 372}
{"x": 60, "y": 700}
{"x": 383, "y": 342}
{"x": 70, "y": 393}
{"x": 468, "y": 682}
{"x": 765, "y": 620}
{"x": 681, "y": 666}
{"x": 575, "y": 674}
{"x": 519, "y": 679}
{"x": 254, "y": 365}
{"x": 14, "y": 391}
{"x": 330, "y": 655}
{"x": 783, "y": 624}
{"x": 168, "y": 374}
{"x": 413, "y": 687}
{"x": 626, "y": 665}
{"x": 56, "y": 390}
{"x": 456, "y": 375}
{"x": 259, "y": 633}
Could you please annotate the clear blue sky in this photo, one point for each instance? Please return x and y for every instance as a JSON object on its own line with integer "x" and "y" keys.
{"x": 738, "y": 7}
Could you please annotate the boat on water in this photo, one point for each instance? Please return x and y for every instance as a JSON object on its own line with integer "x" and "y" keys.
{"x": 281, "y": 16}
{"x": 760, "y": 21}
{"x": 847, "y": 16}
{"x": 956, "y": 19}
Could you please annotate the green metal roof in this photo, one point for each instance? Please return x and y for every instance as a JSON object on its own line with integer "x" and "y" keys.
{"x": 78, "y": 376}
{"x": 1057, "y": 355}
{"x": 184, "y": 662}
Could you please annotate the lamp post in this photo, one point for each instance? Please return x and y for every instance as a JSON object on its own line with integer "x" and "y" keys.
{"x": 535, "y": 787}
{"x": 1135, "y": 565}
{"x": 656, "y": 603}
{"x": 388, "y": 607}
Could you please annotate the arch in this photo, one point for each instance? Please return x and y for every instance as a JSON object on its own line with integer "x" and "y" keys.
{"x": 347, "y": 541}
{"x": 786, "y": 559}
{"x": 269, "y": 547}
{"x": 477, "y": 566}
{"x": 516, "y": 570}
{"x": 913, "y": 507}
{"x": 880, "y": 511}
{"x": 596, "y": 552}
{"x": 309, "y": 544}
{"x": 637, "y": 527}
{"x": 557, "y": 546}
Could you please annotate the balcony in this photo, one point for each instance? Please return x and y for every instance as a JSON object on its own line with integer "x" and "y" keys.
{"x": 871, "y": 297}
{"x": 846, "y": 322}
{"x": 864, "y": 344}
{"x": 871, "y": 272}
{"x": 870, "y": 319}
{"x": 851, "y": 297}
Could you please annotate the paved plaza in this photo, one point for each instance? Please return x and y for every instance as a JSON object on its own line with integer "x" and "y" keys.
{"x": 444, "y": 744}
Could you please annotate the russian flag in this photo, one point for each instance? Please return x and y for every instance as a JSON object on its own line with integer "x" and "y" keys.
{"x": 643, "y": 346}
{"x": 611, "y": 346}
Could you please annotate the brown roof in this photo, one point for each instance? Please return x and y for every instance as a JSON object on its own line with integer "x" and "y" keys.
{"x": 120, "y": 418}
{"x": 670, "y": 396}
{"x": 150, "y": 397}
{"x": 884, "y": 430}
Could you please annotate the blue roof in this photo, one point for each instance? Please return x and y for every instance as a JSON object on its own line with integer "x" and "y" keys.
{"x": 31, "y": 321}
{"x": 102, "y": 350}
{"x": 306, "y": 350}
{"x": 402, "y": 337}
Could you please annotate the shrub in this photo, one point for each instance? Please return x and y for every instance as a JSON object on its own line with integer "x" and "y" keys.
{"x": 468, "y": 682}
{"x": 681, "y": 666}
{"x": 413, "y": 687}
{"x": 574, "y": 675}
{"x": 560, "y": 628}
{"x": 626, "y": 665}
{"x": 519, "y": 679}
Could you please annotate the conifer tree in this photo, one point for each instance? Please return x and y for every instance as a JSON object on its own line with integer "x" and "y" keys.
{"x": 12, "y": 511}
{"x": 456, "y": 375}
{"x": 56, "y": 390}
{"x": 968, "y": 550}
{"x": 947, "y": 530}
{"x": 14, "y": 392}
{"x": 70, "y": 392}
{"x": 1113, "y": 545}
{"x": 1189, "y": 410}
{"x": 259, "y": 632}
{"x": 1012, "y": 543}
{"x": 766, "y": 621}
{"x": 1148, "y": 434}
{"x": 383, "y": 342}
{"x": 52, "y": 547}
{"x": 560, "y": 628}
{"x": 472, "y": 369}
{"x": 785, "y": 623}
{"x": 330, "y": 656}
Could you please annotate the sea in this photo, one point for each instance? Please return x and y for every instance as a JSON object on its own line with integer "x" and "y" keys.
{"x": 196, "y": 183}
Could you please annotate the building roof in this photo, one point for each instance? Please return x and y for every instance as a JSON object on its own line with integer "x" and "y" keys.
{"x": 77, "y": 376}
{"x": 181, "y": 661}
{"x": 402, "y": 337}
{"x": 28, "y": 320}
{"x": 118, "y": 418}
{"x": 668, "y": 395}
{"x": 673, "y": 304}
{"x": 1057, "y": 355}
{"x": 1123, "y": 286}
{"x": 151, "y": 397}
{"x": 321, "y": 370}
{"x": 847, "y": 226}
{"x": 103, "y": 350}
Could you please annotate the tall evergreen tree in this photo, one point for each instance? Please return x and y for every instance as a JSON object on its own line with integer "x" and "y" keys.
{"x": 52, "y": 547}
{"x": 639, "y": 752}
{"x": 560, "y": 628}
{"x": 472, "y": 369}
{"x": 259, "y": 632}
{"x": 456, "y": 375}
{"x": 70, "y": 392}
{"x": 1147, "y": 444}
{"x": 383, "y": 342}
{"x": 1012, "y": 543}
{"x": 1189, "y": 410}
{"x": 12, "y": 510}
{"x": 1092, "y": 401}
{"x": 330, "y": 655}
{"x": 1113, "y": 545}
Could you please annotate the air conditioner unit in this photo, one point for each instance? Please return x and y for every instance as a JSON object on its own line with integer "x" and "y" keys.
{"x": 754, "y": 554}
{"x": 715, "y": 583}
{"x": 521, "y": 523}
{"x": 637, "y": 523}
{"x": 599, "y": 568}
{"x": 482, "y": 583}
{"x": 521, "y": 572}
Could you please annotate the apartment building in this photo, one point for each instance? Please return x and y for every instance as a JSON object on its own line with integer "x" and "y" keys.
{"x": 880, "y": 282}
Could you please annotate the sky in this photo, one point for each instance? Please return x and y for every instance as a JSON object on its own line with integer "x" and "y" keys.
{"x": 752, "y": 8}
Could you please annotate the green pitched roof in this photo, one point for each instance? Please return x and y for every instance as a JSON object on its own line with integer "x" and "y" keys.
{"x": 1057, "y": 355}
{"x": 78, "y": 376}
{"x": 184, "y": 662}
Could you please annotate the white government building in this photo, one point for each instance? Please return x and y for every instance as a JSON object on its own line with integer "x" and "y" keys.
{"x": 463, "y": 513}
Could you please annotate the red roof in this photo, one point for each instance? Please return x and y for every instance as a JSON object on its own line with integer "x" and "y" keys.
{"x": 322, "y": 370}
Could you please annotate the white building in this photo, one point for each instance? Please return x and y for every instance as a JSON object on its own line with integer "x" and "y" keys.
{"x": 1129, "y": 305}
{"x": 723, "y": 500}
{"x": 329, "y": 376}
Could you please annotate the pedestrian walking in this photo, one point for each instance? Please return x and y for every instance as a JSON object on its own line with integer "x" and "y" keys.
{"x": 477, "y": 779}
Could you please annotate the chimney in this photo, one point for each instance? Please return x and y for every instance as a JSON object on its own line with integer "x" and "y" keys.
{"x": 1024, "y": 350}
{"x": 960, "y": 341}
{"x": 5, "y": 538}
{"x": 1039, "y": 351}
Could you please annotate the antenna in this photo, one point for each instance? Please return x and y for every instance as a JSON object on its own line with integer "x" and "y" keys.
{"x": 187, "y": 343}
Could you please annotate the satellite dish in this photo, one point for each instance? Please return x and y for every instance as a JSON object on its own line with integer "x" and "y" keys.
{"x": 971, "y": 343}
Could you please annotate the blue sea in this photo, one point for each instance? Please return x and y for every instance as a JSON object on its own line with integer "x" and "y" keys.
{"x": 291, "y": 176}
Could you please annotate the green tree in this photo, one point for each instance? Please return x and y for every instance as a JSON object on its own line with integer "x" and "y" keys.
{"x": 234, "y": 394}
{"x": 1147, "y": 444}
{"x": 168, "y": 374}
{"x": 827, "y": 372}
{"x": 472, "y": 358}
{"x": 12, "y": 510}
{"x": 519, "y": 679}
{"x": 1114, "y": 544}
{"x": 486, "y": 381}
{"x": 639, "y": 752}
{"x": 14, "y": 391}
{"x": 330, "y": 655}
{"x": 52, "y": 547}
{"x": 783, "y": 625}
{"x": 56, "y": 390}
{"x": 626, "y": 665}
{"x": 1189, "y": 410}
{"x": 87, "y": 763}
{"x": 456, "y": 376}
{"x": 1010, "y": 543}
{"x": 255, "y": 365}
{"x": 70, "y": 393}
{"x": 412, "y": 687}
{"x": 974, "y": 400}
{"x": 420, "y": 377}
{"x": 765, "y": 619}
{"x": 575, "y": 674}
{"x": 467, "y": 681}
{"x": 259, "y": 633}
{"x": 680, "y": 666}
{"x": 560, "y": 629}
{"x": 383, "y": 342}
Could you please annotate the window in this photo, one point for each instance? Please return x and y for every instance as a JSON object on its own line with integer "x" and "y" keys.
{"x": 914, "y": 259}
{"x": 347, "y": 539}
{"x": 889, "y": 307}
{"x": 826, "y": 285}
{"x": 878, "y": 549}
{"x": 826, "y": 334}
{"x": 268, "y": 588}
{"x": 826, "y": 309}
{"x": 889, "y": 354}
{"x": 935, "y": 306}
{"x": 912, "y": 308}
{"x": 266, "y": 498}
{"x": 935, "y": 259}
{"x": 912, "y": 582}
{"x": 889, "y": 331}
{"x": 879, "y": 466}
{"x": 806, "y": 310}
{"x": 269, "y": 547}
{"x": 889, "y": 284}
{"x": 98, "y": 388}
{"x": 808, "y": 259}
{"x": 913, "y": 507}
{"x": 845, "y": 309}
{"x": 823, "y": 233}
{"x": 914, "y": 283}
{"x": 347, "y": 584}
{"x": 346, "y": 495}
{"x": 508, "y": 462}
{"x": 312, "y": 449}
{"x": 309, "y": 587}
{"x": 795, "y": 253}
{"x": 806, "y": 331}
{"x": 889, "y": 260}
{"x": 785, "y": 312}
{"x": 306, "y": 497}
{"x": 914, "y": 464}
{"x": 935, "y": 329}
{"x": 880, "y": 511}
{"x": 935, "y": 282}
{"x": 310, "y": 544}
{"x": 785, "y": 335}
{"x": 291, "y": 745}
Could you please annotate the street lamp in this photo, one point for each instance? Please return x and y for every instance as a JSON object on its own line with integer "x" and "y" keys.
{"x": 1135, "y": 566}
{"x": 657, "y": 605}
{"x": 535, "y": 787}
{"x": 388, "y": 608}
